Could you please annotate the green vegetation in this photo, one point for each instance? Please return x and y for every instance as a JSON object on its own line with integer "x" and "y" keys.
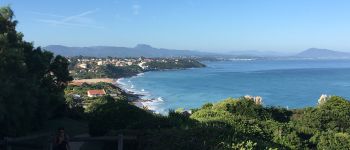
{"x": 32, "y": 99}
{"x": 81, "y": 90}
{"x": 174, "y": 64}
{"x": 119, "y": 72}
{"x": 230, "y": 124}
{"x": 32, "y": 81}
{"x": 78, "y": 101}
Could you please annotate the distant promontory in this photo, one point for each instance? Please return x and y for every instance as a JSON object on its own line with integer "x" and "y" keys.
{"x": 322, "y": 53}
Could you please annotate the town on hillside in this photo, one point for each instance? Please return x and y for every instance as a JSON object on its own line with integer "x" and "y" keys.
{"x": 96, "y": 77}
{"x": 93, "y": 67}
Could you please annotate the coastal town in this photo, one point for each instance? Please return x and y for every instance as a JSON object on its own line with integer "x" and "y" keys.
{"x": 59, "y": 97}
{"x": 91, "y": 63}
{"x": 93, "y": 67}
{"x": 97, "y": 77}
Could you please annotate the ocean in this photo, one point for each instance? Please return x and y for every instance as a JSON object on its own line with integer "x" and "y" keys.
{"x": 284, "y": 83}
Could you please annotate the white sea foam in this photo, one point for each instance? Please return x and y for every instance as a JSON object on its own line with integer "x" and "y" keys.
{"x": 120, "y": 81}
{"x": 154, "y": 105}
{"x": 160, "y": 99}
{"x": 138, "y": 75}
{"x": 149, "y": 101}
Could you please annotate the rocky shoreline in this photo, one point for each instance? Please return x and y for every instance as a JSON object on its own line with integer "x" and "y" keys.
{"x": 135, "y": 98}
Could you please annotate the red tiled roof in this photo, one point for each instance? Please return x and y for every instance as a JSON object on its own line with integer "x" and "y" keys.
{"x": 96, "y": 92}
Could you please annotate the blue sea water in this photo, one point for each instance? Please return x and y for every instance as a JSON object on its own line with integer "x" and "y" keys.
{"x": 285, "y": 83}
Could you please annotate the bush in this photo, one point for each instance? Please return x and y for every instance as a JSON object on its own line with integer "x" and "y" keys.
{"x": 109, "y": 114}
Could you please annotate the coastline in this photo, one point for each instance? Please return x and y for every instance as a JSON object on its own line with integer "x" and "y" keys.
{"x": 140, "y": 98}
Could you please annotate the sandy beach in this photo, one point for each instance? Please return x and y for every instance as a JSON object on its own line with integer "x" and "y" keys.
{"x": 92, "y": 81}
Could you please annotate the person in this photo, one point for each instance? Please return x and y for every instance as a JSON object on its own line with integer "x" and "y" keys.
{"x": 61, "y": 141}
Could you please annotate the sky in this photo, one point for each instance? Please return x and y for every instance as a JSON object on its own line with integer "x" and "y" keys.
{"x": 206, "y": 25}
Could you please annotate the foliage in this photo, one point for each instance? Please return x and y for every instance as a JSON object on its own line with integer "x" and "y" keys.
{"x": 32, "y": 81}
{"x": 82, "y": 89}
{"x": 174, "y": 64}
{"x": 77, "y": 98}
{"x": 331, "y": 140}
{"x": 230, "y": 124}
{"x": 245, "y": 145}
{"x": 334, "y": 114}
{"x": 109, "y": 114}
{"x": 242, "y": 124}
{"x": 119, "y": 72}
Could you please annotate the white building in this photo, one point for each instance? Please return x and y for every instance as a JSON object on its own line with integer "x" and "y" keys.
{"x": 84, "y": 66}
{"x": 143, "y": 65}
{"x": 100, "y": 63}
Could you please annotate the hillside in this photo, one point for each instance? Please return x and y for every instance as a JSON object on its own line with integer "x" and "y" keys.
{"x": 322, "y": 53}
{"x": 137, "y": 51}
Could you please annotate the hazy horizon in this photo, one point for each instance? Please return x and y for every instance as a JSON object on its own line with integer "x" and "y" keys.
{"x": 279, "y": 26}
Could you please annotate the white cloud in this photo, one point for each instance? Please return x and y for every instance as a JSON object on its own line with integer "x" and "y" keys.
{"x": 58, "y": 23}
{"x": 78, "y": 20}
{"x": 78, "y": 16}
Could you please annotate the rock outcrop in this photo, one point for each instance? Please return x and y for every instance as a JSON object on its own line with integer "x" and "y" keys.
{"x": 257, "y": 99}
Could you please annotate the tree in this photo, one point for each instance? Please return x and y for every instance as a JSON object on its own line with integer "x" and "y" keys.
{"x": 32, "y": 81}
{"x": 334, "y": 114}
{"x": 332, "y": 140}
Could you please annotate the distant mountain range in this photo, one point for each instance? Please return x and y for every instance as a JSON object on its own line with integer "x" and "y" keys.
{"x": 138, "y": 51}
{"x": 322, "y": 53}
{"x": 149, "y": 51}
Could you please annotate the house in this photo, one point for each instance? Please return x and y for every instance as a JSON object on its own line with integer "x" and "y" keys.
{"x": 120, "y": 64}
{"x": 84, "y": 66}
{"x": 100, "y": 63}
{"x": 142, "y": 65}
{"x": 96, "y": 93}
{"x": 129, "y": 63}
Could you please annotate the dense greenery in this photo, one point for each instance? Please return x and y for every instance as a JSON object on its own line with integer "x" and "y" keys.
{"x": 119, "y": 72}
{"x": 174, "y": 64}
{"x": 76, "y": 97}
{"x": 32, "y": 81}
{"x": 231, "y": 124}
{"x": 106, "y": 116}
{"x": 81, "y": 90}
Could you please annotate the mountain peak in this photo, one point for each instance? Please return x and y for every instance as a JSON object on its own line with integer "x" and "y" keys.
{"x": 319, "y": 50}
{"x": 322, "y": 53}
{"x": 137, "y": 51}
{"x": 143, "y": 46}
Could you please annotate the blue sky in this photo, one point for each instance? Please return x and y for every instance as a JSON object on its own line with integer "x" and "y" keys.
{"x": 208, "y": 25}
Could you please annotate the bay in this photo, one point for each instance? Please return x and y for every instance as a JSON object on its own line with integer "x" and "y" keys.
{"x": 285, "y": 83}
